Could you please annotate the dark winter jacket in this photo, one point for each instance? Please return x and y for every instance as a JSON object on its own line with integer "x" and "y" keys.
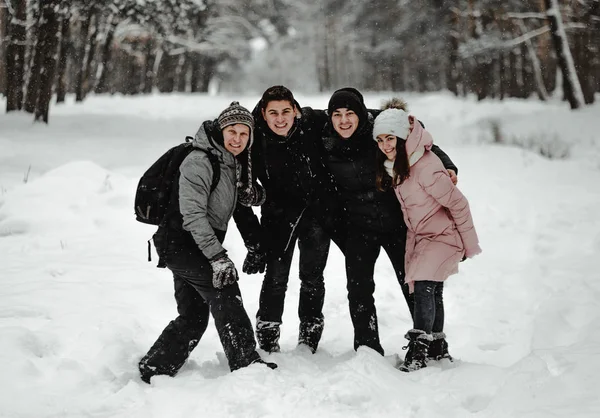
{"x": 352, "y": 162}
{"x": 195, "y": 214}
{"x": 295, "y": 177}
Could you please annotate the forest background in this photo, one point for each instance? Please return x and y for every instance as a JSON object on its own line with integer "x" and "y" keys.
{"x": 489, "y": 48}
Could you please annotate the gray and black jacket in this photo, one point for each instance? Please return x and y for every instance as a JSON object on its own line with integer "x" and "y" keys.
{"x": 197, "y": 216}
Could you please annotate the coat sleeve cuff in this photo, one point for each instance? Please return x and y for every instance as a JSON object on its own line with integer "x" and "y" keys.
{"x": 211, "y": 251}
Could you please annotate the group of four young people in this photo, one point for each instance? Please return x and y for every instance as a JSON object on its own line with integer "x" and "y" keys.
{"x": 322, "y": 173}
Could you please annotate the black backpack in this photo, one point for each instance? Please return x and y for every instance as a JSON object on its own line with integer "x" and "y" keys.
{"x": 154, "y": 188}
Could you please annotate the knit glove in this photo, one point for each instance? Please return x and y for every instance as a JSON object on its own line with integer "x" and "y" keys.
{"x": 255, "y": 260}
{"x": 224, "y": 272}
{"x": 251, "y": 195}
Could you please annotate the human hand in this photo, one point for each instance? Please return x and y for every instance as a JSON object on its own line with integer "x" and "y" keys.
{"x": 453, "y": 176}
{"x": 252, "y": 195}
{"x": 224, "y": 272}
{"x": 255, "y": 261}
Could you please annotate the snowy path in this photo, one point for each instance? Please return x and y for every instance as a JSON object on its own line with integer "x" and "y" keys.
{"x": 79, "y": 304}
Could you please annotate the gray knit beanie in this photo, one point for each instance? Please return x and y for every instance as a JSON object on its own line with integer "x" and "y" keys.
{"x": 236, "y": 113}
{"x": 250, "y": 193}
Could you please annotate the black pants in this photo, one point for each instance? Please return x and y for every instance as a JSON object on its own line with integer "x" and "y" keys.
{"x": 196, "y": 297}
{"x": 362, "y": 251}
{"x": 313, "y": 244}
{"x": 429, "y": 306}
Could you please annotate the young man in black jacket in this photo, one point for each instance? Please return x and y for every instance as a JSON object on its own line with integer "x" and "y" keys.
{"x": 374, "y": 217}
{"x": 287, "y": 159}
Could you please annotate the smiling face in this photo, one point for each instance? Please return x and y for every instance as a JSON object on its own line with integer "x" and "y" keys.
{"x": 345, "y": 122}
{"x": 236, "y": 138}
{"x": 387, "y": 144}
{"x": 279, "y": 115}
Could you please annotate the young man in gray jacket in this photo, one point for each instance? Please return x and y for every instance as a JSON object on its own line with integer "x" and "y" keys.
{"x": 189, "y": 243}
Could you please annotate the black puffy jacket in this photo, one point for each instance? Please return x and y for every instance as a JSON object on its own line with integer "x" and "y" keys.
{"x": 352, "y": 162}
{"x": 295, "y": 177}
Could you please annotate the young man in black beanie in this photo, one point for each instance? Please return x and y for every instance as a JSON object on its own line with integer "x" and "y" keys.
{"x": 287, "y": 159}
{"x": 189, "y": 242}
{"x": 347, "y": 111}
{"x": 374, "y": 217}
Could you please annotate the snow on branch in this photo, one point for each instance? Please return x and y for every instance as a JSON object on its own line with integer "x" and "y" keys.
{"x": 526, "y": 15}
{"x": 484, "y": 44}
{"x": 9, "y": 7}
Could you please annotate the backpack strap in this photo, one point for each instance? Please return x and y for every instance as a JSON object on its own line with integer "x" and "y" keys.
{"x": 214, "y": 161}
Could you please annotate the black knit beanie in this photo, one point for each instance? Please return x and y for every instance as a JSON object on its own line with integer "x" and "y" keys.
{"x": 348, "y": 98}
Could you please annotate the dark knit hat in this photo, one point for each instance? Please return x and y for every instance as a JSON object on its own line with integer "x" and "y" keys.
{"x": 236, "y": 113}
{"x": 348, "y": 98}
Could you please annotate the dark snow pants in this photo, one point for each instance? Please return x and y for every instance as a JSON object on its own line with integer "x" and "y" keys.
{"x": 313, "y": 244}
{"x": 362, "y": 251}
{"x": 196, "y": 297}
{"x": 429, "y": 306}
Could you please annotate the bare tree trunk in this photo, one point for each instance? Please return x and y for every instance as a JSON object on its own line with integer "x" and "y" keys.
{"x": 102, "y": 73}
{"x": 33, "y": 15}
{"x": 585, "y": 53}
{"x": 324, "y": 69}
{"x": 63, "y": 58}
{"x": 88, "y": 80}
{"x": 15, "y": 56}
{"x": 48, "y": 45}
{"x": 452, "y": 76}
{"x": 3, "y": 45}
{"x": 165, "y": 77}
{"x": 202, "y": 73}
{"x": 149, "y": 64}
{"x": 571, "y": 85}
{"x": 35, "y": 67}
{"x": 82, "y": 57}
{"x": 537, "y": 68}
{"x": 181, "y": 73}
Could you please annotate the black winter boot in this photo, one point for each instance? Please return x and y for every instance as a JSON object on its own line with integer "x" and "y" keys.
{"x": 310, "y": 333}
{"x": 438, "y": 349}
{"x": 172, "y": 348}
{"x": 267, "y": 334}
{"x": 418, "y": 344}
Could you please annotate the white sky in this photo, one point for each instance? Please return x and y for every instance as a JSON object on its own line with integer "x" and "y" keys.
{"x": 79, "y": 304}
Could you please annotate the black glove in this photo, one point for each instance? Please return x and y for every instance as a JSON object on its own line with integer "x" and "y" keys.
{"x": 251, "y": 195}
{"x": 224, "y": 272}
{"x": 255, "y": 260}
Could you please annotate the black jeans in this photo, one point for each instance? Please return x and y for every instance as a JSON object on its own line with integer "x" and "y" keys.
{"x": 196, "y": 297}
{"x": 313, "y": 244}
{"x": 362, "y": 250}
{"x": 429, "y": 306}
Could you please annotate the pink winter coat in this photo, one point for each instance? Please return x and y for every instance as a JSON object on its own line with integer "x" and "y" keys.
{"x": 437, "y": 214}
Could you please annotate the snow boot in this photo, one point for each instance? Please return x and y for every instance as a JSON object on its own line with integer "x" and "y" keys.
{"x": 438, "y": 349}
{"x": 172, "y": 348}
{"x": 267, "y": 334}
{"x": 418, "y": 344}
{"x": 310, "y": 333}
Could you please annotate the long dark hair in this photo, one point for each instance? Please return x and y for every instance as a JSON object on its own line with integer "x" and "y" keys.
{"x": 401, "y": 167}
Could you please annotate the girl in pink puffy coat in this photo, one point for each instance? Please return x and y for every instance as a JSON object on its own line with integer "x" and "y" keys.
{"x": 440, "y": 226}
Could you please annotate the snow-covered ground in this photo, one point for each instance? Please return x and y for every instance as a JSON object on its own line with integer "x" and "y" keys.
{"x": 79, "y": 303}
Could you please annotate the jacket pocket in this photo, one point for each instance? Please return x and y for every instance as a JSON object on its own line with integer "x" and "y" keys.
{"x": 160, "y": 243}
